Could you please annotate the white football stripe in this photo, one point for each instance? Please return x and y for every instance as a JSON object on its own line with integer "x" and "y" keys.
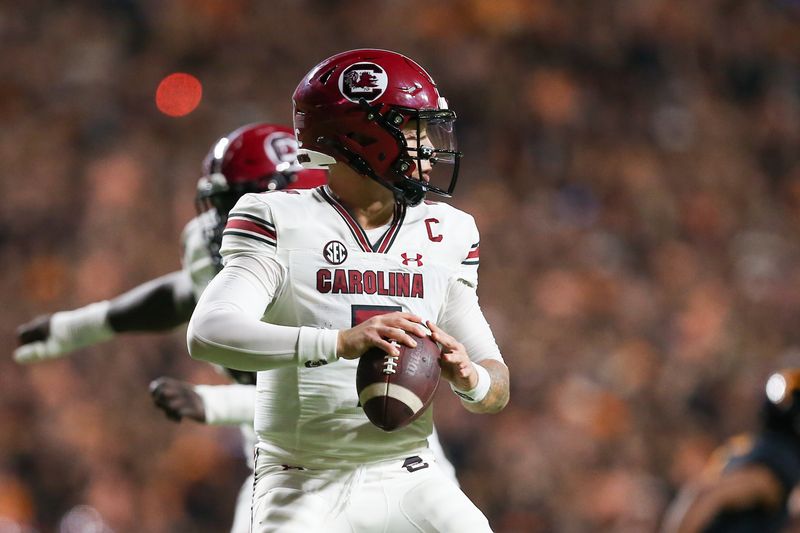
{"x": 397, "y": 392}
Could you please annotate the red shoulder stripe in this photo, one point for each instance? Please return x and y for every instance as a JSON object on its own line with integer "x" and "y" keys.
{"x": 253, "y": 227}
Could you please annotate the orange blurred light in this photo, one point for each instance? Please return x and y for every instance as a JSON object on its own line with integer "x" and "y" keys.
{"x": 178, "y": 94}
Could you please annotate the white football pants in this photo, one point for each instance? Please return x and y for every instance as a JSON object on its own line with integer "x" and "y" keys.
{"x": 408, "y": 495}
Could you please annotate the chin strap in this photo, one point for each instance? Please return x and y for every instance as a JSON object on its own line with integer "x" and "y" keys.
{"x": 410, "y": 197}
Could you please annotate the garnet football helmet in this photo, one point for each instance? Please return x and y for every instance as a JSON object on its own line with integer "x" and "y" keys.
{"x": 380, "y": 113}
{"x": 254, "y": 158}
{"x": 781, "y": 411}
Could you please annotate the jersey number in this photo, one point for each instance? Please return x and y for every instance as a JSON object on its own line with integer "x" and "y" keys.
{"x": 361, "y": 313}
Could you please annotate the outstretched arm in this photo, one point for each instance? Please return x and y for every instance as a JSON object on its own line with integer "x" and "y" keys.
{"x": 156, "y": 305}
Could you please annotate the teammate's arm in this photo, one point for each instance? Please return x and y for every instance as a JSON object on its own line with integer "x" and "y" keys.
{"x": 156, "y": 305}
{"x": 748, "y": 487}
{"x": 208, "y": 404}
{"x": 159, "y": 304}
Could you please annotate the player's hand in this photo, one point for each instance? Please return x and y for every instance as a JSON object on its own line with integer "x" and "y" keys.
{"x": 34, "y": 341}
{"x": 379, "y": 332}
{"x": 177, "y": 399}
{"x": 37, "y": 329}
{"x": 456, "y": 365}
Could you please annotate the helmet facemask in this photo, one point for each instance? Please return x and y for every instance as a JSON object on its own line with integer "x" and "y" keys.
{"x": 216, "y": 197}
{"x": 428, "y": 159}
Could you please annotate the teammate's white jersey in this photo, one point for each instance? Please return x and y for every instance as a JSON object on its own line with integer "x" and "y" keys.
{"x": 335, "y": 277}
{"x": 196, "y": 258}
{"x": 198, "y": 264}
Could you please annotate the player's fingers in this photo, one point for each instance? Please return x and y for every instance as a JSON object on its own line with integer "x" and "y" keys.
{"x": 416, "y": 328}
{"x": 448, "y": 343}
{"x": 399, "y": 335}
{"x": 408, "y": 325}
{"x": 31, "y": 353}
{"x": 406, "y": 316}
{"x": 397, "y": 317}
{"x": 386, "y": 346}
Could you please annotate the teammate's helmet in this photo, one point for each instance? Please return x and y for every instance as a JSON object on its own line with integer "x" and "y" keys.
{"x": 254, "y": 158}
{"x": 781, "y": 411}
{"x": 360, "y": 107}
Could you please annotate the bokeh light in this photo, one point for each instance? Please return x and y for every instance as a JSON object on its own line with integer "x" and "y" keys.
{"x": 178, "y": 94}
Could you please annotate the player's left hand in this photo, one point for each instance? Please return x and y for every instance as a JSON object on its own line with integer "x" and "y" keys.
{"x": 177, "y": 399}
{"x": 456, "y": 365}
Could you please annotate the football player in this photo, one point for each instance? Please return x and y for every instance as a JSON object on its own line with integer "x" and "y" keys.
{"x": 314, "y": 278}
{"x": 746, "y": 486}
{"x": 254, "y": 158}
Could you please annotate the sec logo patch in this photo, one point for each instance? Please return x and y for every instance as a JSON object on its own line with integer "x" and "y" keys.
{"x": 334, "y": 253}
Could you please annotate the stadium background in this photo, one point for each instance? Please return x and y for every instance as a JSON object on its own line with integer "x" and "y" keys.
{"x": 633, "y": 167}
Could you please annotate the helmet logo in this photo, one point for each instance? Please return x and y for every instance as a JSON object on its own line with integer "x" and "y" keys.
{"x": 280, "y": 147}
{"x": 335, "y": 253}
{"x": 363, "y": 80}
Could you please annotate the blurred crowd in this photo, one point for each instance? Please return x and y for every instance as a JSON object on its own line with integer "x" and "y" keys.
{"x": 633, "y": 168}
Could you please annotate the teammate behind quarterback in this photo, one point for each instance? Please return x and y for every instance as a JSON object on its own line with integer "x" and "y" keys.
{"x": 376, "y": 120}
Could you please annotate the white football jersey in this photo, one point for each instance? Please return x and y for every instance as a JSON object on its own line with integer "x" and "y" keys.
{"x": 336, "y": 277}
{"x": 196, "y": 258}
{"x": 197, "y": 262}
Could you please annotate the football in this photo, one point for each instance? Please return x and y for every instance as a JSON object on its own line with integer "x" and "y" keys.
{"x": 395, "y": 391}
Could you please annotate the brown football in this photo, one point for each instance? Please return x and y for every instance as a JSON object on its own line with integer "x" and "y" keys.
{"x": 395, "y": 391}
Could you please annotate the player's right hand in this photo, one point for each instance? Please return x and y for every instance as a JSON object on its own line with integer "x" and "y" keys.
{"x": 177, "y": 399}
{"x": 35, "y": 343}
{"x": 379, "y": 332}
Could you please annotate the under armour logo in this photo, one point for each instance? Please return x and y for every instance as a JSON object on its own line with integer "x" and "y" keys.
{"x": 407, "y": 260}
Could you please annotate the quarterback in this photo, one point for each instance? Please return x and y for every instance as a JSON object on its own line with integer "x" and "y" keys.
{"x": 314, "y": 278}
{"x": 254, "y": 158}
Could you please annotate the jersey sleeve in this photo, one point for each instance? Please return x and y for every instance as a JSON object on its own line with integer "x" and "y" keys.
{"x": 462, "y": 318}
{"x": 228, "y": 404}
{"x": 468, "y": 269}
{"x": 250, "y": 229}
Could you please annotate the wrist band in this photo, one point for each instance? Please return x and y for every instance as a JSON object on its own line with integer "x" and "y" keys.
{"x": 479, "y": 392}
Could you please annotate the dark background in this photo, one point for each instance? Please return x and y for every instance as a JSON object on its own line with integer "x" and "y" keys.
{"x": 633, "y": 167}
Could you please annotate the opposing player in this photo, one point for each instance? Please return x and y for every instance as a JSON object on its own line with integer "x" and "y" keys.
{"x": 254, "y": 158}
{"x": 746, "y": 486}
{"x": 313, "y": 279}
